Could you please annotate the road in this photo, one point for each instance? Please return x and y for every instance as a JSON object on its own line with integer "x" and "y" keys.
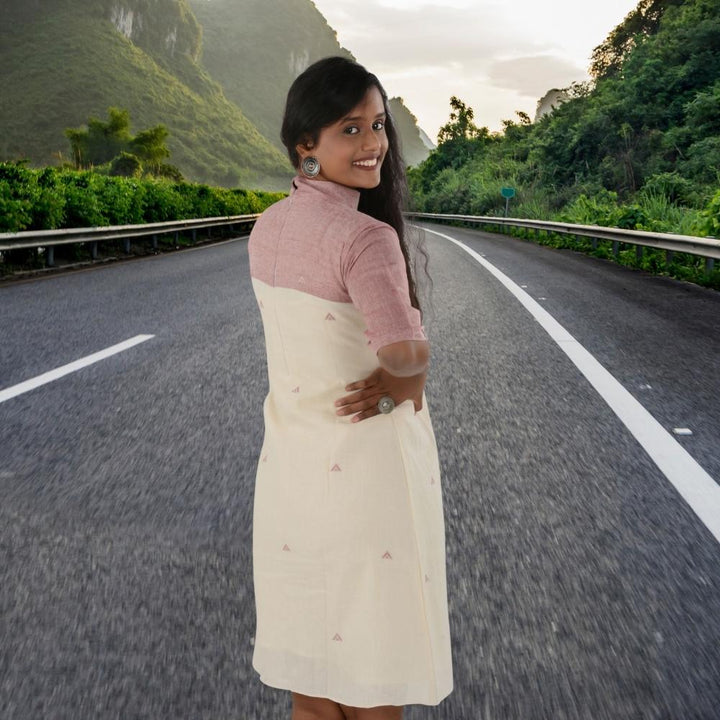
{"x": 581, "y": 583}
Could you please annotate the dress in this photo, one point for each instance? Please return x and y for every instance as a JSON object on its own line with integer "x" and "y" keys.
{"x": 348, "y": 526}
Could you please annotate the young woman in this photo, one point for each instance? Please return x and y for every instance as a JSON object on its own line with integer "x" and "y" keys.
{"x": 348, "y": 526}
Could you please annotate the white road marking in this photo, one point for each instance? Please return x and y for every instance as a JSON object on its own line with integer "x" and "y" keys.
{"x": 693, "y": 483}
{"x": 51, "y": 375}
{"x": 682, "y": 431}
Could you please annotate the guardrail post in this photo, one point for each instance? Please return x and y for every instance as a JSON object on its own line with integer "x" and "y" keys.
{"x": 177, "y": 237}
{"x": 593, "y": 243}
{"x": 50, "y": 256}
{"x": 709, "y": 265}
{"x": 669, "y": 255}
{"x": 616, "y": 248}
{"x": 126, "y": 244}
{"x": 93, "y": 250}
{"x": 154, "y": 240}
{"x": 639, "y": 253}
{"x": 194, "y": 233}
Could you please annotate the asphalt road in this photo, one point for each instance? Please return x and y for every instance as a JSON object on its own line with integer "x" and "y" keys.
{"x": 581, "y": 584}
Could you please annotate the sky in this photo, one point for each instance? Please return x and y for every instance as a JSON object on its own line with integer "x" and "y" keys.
{"x": 497, "y": 56}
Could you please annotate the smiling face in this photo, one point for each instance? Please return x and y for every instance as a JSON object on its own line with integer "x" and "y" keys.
{"x": 351, "y": 151}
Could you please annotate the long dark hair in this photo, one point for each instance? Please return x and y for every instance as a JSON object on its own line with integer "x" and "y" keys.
{"x": 327, "y": 91}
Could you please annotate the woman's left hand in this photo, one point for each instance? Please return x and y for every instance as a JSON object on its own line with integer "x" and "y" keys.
{"x": 376, "y": 385}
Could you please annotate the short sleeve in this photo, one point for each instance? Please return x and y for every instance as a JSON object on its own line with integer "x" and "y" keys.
{"x": 376, "y": 280}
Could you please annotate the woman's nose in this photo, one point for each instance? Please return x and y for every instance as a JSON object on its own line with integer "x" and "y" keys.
{"x": 371, "y": 141}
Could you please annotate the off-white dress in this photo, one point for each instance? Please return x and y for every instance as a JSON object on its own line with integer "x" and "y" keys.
{"x": 348, "y": 527}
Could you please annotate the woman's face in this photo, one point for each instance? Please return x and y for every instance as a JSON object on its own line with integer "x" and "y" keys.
{"x": 351, "y": 151}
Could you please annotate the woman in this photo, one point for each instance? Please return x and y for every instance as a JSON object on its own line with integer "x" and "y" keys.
{"x": 348, "y": 527}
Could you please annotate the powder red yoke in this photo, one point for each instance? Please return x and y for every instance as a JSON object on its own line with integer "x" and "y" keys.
{"x": 318, "y": 242}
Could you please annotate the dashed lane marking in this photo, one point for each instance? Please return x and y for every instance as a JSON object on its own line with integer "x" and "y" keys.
{"x": 51, "y": 375}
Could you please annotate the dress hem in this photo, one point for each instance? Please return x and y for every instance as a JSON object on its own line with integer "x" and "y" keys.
{"x": 285, "y": 685}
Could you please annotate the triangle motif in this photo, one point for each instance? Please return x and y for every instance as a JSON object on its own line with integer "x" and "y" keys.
{"x": 296, "y": 389}
{"x": 335, "y": 468}
{"x": 264, "y": 458}
{"x": 329, "y": 316}
{"x": 337, "y": 637}
{"x": 260, "y": 302}
{"x": 387, "y": 555}
{"x": 286, "y": 548}
{"x": 432, "y": 479}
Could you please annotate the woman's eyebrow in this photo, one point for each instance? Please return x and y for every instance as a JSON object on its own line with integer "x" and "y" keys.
{"x": 360, "y": 117}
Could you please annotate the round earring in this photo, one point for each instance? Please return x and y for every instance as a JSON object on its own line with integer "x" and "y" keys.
{"x": 310, "y": 167}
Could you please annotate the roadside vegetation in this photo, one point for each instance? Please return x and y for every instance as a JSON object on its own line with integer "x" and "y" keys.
{"x": 637, "y": 147}
{"x": 55, "y": 198}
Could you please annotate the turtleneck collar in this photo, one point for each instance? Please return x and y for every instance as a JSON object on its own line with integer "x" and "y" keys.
{"x": 327, "y": 190}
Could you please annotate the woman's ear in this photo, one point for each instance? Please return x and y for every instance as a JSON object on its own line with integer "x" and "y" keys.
{"x": 304, "y": 148}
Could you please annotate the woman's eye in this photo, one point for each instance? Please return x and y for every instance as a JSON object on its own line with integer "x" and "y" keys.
{"x": 378, "y": 125}
{"x": 352, "y": 130}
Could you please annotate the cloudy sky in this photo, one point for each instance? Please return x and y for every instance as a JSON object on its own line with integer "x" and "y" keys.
{"x": 498, "y": 56}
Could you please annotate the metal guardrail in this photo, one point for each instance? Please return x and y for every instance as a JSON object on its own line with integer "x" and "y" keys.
{"x": 48, "y": 239}
{"x": 706, "y": 247}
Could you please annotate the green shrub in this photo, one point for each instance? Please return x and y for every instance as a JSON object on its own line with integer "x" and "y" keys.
{"x": 710, "y": 216}
{"x": 127, "y": 165}
{"x": 53, "y": 198}
{"x": 671, "y": 185}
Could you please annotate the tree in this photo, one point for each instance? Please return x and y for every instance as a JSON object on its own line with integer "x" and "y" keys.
{"x": 149, "y": 146}
{"x": 644, "y": 20}
{"x": 459, "y": 139}
{"x": 461, "y": 125}
{"x": 101, "y": 142}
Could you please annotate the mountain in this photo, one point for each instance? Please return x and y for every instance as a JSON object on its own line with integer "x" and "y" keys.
{"x": 549, "y": 101}
{"x": 215, "y": 72}
{"x": 65, "y": 61}
{"x": 427, "y": 142}
{"x": 277, "y": 41}
{"x": 255, "y": 49}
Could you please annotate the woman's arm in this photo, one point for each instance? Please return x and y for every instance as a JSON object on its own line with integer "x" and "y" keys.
{"x": 405, "y": 358}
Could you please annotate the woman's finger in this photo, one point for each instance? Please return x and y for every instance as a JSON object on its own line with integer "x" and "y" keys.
{"x": 369, "y": 381}
{"x": 370, "y": 412}
{"x": 360, "y": 405}
{"x": 358, "y": 396}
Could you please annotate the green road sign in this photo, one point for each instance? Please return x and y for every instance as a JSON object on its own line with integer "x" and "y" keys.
{"x": 508, "y": 192}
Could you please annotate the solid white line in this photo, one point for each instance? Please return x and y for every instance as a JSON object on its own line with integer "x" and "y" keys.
{"x": 51, "y": 375}
{"x": 695, "y": 485}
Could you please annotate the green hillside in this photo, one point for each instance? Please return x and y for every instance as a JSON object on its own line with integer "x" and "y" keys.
{"x": 645, "y": 132}
{"x": 255, "y": 49}
{"x": 277, "y": 41}
{"x": 637, "y": 148}
{"x": 64, "y": 63}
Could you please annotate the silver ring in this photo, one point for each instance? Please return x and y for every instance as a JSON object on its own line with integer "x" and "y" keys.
{"x": 386, "y": 404}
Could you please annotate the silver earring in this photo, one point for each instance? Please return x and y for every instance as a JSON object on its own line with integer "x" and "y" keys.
{"x": 310, "y": 167}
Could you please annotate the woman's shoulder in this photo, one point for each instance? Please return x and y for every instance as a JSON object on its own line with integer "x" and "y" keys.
{"x": 276, "y": 209}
